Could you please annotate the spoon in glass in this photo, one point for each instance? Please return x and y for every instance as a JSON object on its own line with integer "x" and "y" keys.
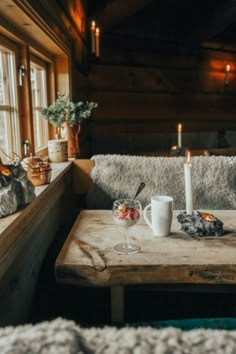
{"x": 140, "y": 188}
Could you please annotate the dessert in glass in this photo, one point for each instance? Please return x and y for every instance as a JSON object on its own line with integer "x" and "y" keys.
{"x": 126, "y": 212}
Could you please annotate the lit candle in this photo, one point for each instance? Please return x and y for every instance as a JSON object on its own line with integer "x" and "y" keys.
{"x": 179, "y": 135}
{"x": 227, "y": 70}
{"x": 188, "y": 185}
{"x": 97, "y": 44}
{"x": 93, "y": 29}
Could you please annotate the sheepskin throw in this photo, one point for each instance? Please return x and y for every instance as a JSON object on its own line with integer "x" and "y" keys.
{"x": 61, "y": 336}
{"x": 118, "y": 176}
{"x": 56, "y": 337}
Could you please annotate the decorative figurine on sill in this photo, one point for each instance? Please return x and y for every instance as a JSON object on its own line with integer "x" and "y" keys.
{"x": 16, "y": 190}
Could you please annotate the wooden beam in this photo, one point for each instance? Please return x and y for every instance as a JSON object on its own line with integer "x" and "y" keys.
{"x": 223, "y": 16}
{"x": 116, "y": 11}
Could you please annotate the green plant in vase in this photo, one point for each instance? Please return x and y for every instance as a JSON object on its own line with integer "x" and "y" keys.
{"x": 67, "y": 117}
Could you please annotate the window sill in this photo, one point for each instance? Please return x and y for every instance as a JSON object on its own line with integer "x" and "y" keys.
{"x": 8, "y": 222}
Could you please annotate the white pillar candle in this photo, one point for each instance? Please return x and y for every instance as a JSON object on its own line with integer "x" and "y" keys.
{"x": 188, "y": 185}
{"x": 93, "y": 29}
{"x": 179, "y": 135}
{"x": 97, "y": 42}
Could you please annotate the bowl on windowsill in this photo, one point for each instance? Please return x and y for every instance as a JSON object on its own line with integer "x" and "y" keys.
{"x": 38, "y": 171}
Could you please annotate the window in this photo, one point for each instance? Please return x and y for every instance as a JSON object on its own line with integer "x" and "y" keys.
{"x": 45, "y": 62}
{"x": 9, "y": 115}
{"x": 39, "y": 101}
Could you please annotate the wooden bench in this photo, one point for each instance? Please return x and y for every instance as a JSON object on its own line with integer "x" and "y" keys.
{"x": 82, "y": 167}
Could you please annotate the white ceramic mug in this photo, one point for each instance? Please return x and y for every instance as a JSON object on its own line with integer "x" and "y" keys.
{"x": 161, "y": 214}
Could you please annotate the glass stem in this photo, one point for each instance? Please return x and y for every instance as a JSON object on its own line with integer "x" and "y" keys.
{"x": 127, "y": 237}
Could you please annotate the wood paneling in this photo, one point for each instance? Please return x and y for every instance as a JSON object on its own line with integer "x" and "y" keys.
{"x": 115, "y": 11}
{"x": 209, "y": 79}
{"x": 142, "y": 126}
{"x": 154, "y": 106}
{"x": 151, "y": 93}
{"x": 81, "y": 175}
{"x": 24, "y": 243}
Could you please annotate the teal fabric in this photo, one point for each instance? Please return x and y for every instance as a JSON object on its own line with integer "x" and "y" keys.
{"x": 188, "y": 324}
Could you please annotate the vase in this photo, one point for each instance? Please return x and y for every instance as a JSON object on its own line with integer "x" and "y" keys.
{"x": 57, "y": 150}
{"x": 71, "y": 134}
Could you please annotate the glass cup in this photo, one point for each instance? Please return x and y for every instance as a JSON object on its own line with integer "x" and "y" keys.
{"x": 126, "y": 213}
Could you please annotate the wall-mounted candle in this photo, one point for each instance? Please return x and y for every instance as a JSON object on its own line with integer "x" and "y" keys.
{"x": 97, "y": 42}
{"x": 93, "y": 29}
{"x": 227, "y": 70}
{"x": 179, "y": 129}
{"x": 188, "y": 185}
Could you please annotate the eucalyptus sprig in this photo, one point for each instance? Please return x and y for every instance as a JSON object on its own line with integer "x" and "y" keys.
{"x": 63, "y": 110}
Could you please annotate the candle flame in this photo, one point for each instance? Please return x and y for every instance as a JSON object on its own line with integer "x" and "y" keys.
{"x": 97, "y": 31}
{"x": 208, "y": 217}
{"x": 93, "y": 25}
{"x": 179, "y": 127}
{"x": 227, "y": 68}
{"x": 188, "y": 157}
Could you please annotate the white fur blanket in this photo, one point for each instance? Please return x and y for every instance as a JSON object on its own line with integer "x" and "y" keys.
{"x": 61, "y": 336}
{"x": 118, "y": 176}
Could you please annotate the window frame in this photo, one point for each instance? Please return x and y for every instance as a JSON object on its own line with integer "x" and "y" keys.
{"x": 35, "y": 37}
{"x": 23, "y": 54}
{"x": 8, "y": 46}
{"x": 41, "y": 63}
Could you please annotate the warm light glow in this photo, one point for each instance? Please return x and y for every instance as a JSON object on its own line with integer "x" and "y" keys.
{"x": 93, "y": 25}
{"x": 227, "y": 68}
{"x": 179, "y": 127}
{"x": 208, "y": 217}
{"x": 188, "y": 157}
{"x": 97, "y": 31}
{"x": 93, "y": 29}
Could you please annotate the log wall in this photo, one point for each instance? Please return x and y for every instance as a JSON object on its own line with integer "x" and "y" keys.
{"x": 143, "y": 96}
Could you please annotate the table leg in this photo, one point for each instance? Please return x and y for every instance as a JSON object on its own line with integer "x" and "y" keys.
{"x": 117, "y": 304}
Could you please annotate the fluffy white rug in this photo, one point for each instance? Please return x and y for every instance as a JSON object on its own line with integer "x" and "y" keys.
{"x": 118, "y": 176}
{"x": 65, "y": 337}
{"x": 55, "y": 337}
{"x": 163, "y": 341}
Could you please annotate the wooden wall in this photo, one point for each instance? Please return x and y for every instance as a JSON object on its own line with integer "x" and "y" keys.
{"x": 143, "y": 96}
{"x": 24, "y": 244}
{"x": 143, "y": 89}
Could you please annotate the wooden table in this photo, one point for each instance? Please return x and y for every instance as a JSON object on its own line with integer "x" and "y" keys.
{"x": 88, "y": 258}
